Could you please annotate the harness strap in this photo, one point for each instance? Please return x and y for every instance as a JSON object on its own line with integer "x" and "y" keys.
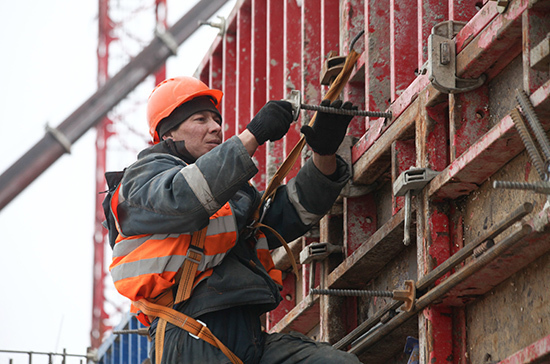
{"x": 185, "y": 322}
{"x": 285, "y": 245}
{"x": 159, "y": 342}
{"x": 190, "y": 266}
{"x": 184, "y": 279}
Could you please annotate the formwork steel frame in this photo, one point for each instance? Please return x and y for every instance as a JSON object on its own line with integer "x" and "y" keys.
{"x": 274, "y": 46}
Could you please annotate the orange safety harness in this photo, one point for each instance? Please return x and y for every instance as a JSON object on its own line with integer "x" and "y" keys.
{"x": 166, "y": 314}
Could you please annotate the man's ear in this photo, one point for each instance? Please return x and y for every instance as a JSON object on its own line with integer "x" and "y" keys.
{"x": 167, "y": 136}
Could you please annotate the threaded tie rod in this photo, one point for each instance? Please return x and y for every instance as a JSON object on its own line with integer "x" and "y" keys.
{"x": 295, "y": 99}
{"x": 332, "y": 110}
{"x": 351, "y": 292}
{"x": 408, "y": 295}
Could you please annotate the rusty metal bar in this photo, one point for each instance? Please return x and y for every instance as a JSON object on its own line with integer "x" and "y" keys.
{"x": 465, "y": 252}
{"x": 425, "y": 282}
{"x": 440, "y": 290}
{"x": 528, "y": 142}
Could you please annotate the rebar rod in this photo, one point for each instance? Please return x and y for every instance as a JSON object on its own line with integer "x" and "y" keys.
{"x": 332, "y": 110}
{"x": 529, "y": 143}
{"x": 531, "y": 116}
{"x": 539, "y": 187}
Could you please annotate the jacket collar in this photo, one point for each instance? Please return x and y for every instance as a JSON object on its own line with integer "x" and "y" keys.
{"x": 171, "y": 147}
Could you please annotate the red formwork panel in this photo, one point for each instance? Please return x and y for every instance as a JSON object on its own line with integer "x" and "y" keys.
{"x": 463, "y": 10}
{"x": 353, "y": 23}
{"x": 313, "y": 58}
{"x": 288, "y": 293}
{"x": 258, "y": 54}
{"x": 216, "y": 70}
{"x": 376, "y": 55}
{"x": 275, "y": 72}
{"x": 244, "y": 34}
{"x": 230, "y": 81}
{"x": 403, "y": 41}
{"x": 292, "y": 79}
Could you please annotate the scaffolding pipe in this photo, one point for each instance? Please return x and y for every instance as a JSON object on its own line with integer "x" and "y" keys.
{"x": 44, "y": 153}
{"x": 443, "y": 288}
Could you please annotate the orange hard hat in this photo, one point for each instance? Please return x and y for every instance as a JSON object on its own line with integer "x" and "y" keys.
{"x": 171, "y": 93}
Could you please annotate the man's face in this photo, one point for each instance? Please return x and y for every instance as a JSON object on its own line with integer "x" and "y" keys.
{"x": 201, "y": 132}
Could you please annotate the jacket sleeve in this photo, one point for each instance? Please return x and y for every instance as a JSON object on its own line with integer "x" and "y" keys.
{"x": 161, "y": 194}
{"x": 303, "y": 201}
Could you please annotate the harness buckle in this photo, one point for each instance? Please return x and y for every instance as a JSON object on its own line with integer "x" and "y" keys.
{"x": 195, "y": 250}
{"x": 194, "y": 336}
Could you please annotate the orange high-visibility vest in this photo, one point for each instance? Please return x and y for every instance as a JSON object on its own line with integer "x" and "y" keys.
{"x": 145, "y": 266}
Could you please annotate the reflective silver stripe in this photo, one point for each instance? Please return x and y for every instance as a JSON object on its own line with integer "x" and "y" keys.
{"x": 198, "y": 184}
{"x": 147, "y": 266}
{"x": 221, "y": 224}
{"x": 307, "y": 217}
{"x": 161, "y": 264}
{"x": 262, "y": 244}
{"x": 125, "y": 247}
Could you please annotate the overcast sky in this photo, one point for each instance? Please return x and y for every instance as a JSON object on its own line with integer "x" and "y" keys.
{"x": 48, "y": 69}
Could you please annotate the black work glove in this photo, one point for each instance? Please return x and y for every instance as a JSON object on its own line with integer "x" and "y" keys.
{"x": 271, "y": 122}
{"x": 329, "y": 130}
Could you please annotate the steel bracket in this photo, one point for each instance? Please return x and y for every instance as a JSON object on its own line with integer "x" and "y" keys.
{"x": 408, "y": 183}
{"x": 441, "y": 64}
{"x": 414, "y": 179}
{"x": 318, "y": 251}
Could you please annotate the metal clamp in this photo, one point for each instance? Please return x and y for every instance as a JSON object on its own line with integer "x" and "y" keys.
{"x": 59, "y": 137}
{"x": 168, "y": 39}
{"x": 332, "y": 68}
{"x": 408, "y": 183}
{"x": 220, "y": 24}
{"x": 441, "y": 64}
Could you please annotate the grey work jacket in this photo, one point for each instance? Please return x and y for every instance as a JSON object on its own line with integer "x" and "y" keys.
{"x": 164, "y": 194}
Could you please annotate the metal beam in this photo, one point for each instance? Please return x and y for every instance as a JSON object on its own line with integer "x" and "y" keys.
{"x": 44, "y": 153}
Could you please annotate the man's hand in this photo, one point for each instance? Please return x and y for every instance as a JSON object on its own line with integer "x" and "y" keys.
{"x": 329, "y": 130}
{"x": 271, "y": 122}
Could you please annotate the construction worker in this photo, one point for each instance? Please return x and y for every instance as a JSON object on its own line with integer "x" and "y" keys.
{"x": 181, "y": 217}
